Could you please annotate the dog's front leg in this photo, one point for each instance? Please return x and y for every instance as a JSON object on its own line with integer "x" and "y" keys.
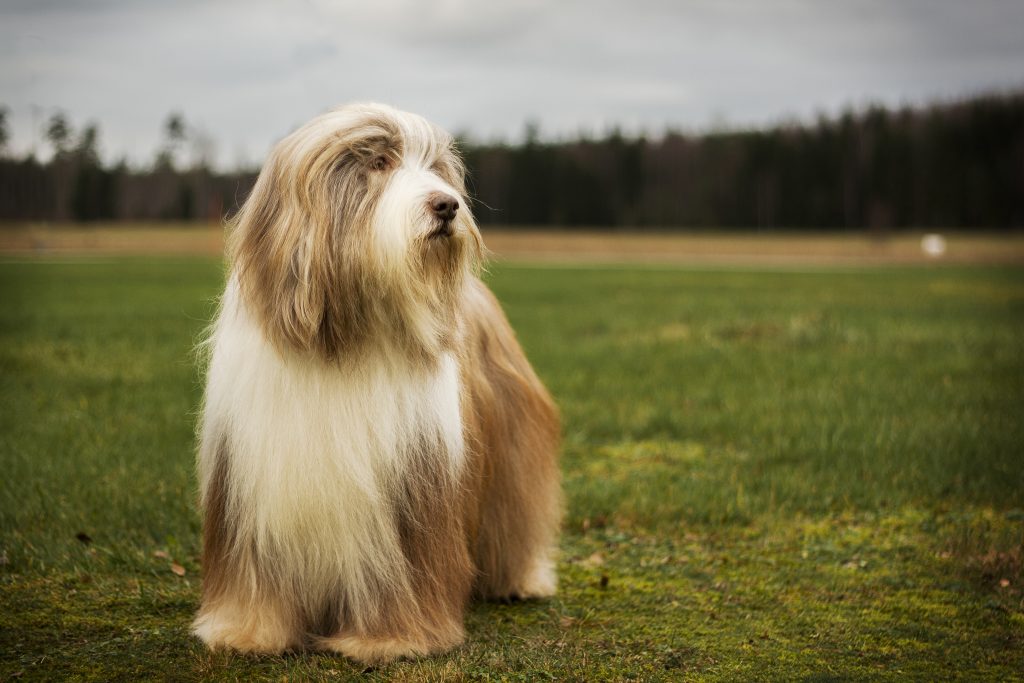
{"x": 242, "y": 608}
{"x": 420, "y": 610}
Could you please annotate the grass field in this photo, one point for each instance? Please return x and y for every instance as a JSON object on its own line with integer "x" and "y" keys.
{"x": 771, "y": 475}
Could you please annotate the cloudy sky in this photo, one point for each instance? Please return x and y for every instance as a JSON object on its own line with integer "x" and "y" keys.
{"x": 245, "y": 72}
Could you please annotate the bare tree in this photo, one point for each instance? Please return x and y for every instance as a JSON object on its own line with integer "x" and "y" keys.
{"x": 88, "y": 141}
{"x": 5, "y": 133}
{"x": 175, "y": 128}
{"x": 58, "y": 132}
{"x": 174, "y": 136}
{"x": 203, "y": 148}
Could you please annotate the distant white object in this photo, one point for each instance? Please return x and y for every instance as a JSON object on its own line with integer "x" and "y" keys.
{"x": 933, "y": 245}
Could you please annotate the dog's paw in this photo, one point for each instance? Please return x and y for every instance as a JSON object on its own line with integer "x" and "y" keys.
{"x": 377, "y": 650}
{"x": 252, "y": 636}
{"x": 540, "y": 582}
{"x": 373, "y": 651}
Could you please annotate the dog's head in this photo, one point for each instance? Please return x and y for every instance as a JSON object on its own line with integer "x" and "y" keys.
{"x": 357, "y": 233}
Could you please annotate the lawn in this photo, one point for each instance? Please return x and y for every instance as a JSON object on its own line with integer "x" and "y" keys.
{"x": 771, "y": 475}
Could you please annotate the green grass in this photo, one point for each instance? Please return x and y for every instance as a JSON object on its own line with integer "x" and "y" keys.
{"x": 771, "y": 476}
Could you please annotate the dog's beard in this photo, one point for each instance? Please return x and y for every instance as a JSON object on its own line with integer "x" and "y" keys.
{"x": 444, "y": 258}
{"x": 443, "y": 253}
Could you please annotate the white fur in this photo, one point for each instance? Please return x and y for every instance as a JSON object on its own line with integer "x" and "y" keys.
{"x": 314, "y": 447}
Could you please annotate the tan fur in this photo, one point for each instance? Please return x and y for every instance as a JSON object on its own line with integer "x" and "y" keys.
{"x": 513, "y": 432}
{"x": 374, "y": 448}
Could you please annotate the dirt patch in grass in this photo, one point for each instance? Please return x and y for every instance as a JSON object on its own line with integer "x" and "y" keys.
{"x": 559, "y": 246}
{"x": 112, "y": 239}
{"x": 747, "y": 248}
{"x": 988, "y": 547}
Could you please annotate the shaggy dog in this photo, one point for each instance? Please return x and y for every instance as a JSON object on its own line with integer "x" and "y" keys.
{"x": 375, "y": 448}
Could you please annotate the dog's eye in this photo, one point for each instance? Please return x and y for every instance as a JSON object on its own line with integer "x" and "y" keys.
{"x": 439, "y": 167}
{"x": 380, "y": 163}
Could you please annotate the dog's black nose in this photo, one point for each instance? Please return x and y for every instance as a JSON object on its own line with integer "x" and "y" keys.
{"x": 443, "y": 205}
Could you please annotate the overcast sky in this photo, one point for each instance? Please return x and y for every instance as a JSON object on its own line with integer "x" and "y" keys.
{"x": 246, "y": 72}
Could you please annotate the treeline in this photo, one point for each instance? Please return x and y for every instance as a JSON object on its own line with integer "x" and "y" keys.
{"x": 954, "y": 165}
{"x": 75, "y": 185}
{"x": 949, "y": 165}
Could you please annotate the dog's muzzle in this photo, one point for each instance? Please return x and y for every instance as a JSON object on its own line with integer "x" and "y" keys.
{"x": 444, "y": 207}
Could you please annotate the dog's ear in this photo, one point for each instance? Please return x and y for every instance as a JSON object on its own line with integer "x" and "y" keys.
{"x": 281, "y": 254}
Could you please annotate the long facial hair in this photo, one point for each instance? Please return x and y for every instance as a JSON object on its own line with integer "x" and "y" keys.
{"x": 336, "y": 249}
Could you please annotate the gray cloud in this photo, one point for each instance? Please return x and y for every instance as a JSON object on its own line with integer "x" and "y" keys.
{"x": 248, "y": 72}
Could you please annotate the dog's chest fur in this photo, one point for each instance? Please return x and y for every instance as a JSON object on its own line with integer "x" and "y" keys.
{"x": 319, "y": 453}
